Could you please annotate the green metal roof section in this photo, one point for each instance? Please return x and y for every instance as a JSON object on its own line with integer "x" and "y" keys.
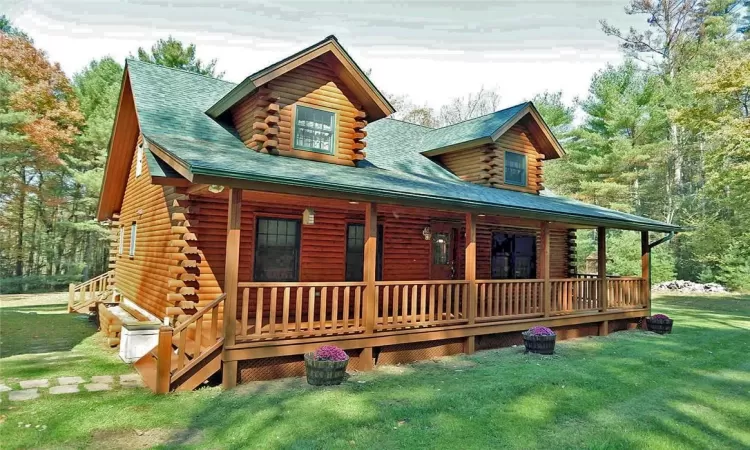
{"x": 171, "y": 103}
{"x": 469, "y": 130}
{"x": 158, "y": 168}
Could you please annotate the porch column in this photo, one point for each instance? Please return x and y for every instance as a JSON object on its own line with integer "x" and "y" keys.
{"x": 646, "y": 270}
{"x": 601, "y": 234}
{"x": 547, "y": 299}
{"x": 231, "y": 269}
{"x": 470, "y": 275}
{"x": 369, "y": 269}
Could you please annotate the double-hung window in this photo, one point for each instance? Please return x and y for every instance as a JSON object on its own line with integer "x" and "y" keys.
{"x": 277, "y": 243}
{"x": 314, "y": 130}
{"x": 515, "y": 168}
{"x": 513, "y": 256}
{"x": 355, "y": 252}
{"x": 133, "y": 229}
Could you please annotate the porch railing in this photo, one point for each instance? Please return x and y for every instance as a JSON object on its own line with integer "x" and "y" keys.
{"x": 627, "y": 293}
{"x": 568, "y": 295}
{"x": 271, "y": 310}
{"x": 509, "y": 299}
{"x": 409, "y": 304}
{"x": 86, "y": 293}
{"x": 283, "y": 310}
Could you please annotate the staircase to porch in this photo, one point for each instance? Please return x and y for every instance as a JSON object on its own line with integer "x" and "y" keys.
{"x": 83, "y": 297}
{"x": 187, "y": 355}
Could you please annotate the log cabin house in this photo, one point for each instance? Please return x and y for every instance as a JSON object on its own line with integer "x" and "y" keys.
{"x": 260, "y": 220}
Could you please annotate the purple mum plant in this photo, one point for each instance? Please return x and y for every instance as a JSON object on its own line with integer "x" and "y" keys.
{"x": 540, "y": 331}
{"x": 660, "y": 316}
{"x": 330, "y": 353}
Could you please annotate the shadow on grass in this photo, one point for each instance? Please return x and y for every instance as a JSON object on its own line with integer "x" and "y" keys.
{"x": 41, "y": 329}
{"x": 633, "y": 390}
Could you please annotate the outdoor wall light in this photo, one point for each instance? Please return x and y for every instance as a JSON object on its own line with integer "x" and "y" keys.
{"x": 215, "y": 188}
{"x": 427, "y": 233}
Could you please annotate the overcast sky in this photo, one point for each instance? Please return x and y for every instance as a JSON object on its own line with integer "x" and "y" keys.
{"x": 431, "y": 50}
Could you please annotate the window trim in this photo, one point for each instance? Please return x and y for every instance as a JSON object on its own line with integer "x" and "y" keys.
{"x": 334, "y": 134}
{"x": 133, "y": 235}
{"x": 298, "y": 246}
{"x": 139, "y": 161}
{"x": 121, "y": 245}
{"x": 525, "y": 181}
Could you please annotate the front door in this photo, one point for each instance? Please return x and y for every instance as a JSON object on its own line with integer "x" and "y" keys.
{"x": 443, "y": 251}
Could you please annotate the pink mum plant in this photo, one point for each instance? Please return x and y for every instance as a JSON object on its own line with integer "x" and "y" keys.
{"x": 660, "y": 316}
{"x": 540, "y": 331}
{"x": 330, "y": 353}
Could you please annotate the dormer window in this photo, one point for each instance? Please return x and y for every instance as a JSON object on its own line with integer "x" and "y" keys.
{"x": 515, "y": 168}
{"x": 314, "y": 130}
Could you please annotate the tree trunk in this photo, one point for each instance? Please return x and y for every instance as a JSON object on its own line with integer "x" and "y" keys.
{"x": 21, "y": 212}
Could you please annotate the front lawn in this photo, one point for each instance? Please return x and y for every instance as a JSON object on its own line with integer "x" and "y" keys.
{"x": 631, "y": 389}
{"x": 39, "y": 339}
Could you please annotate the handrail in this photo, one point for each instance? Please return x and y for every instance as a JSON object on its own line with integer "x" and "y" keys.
{"x": 94, "y": 280}
{"x": 200, "y": 313}
{"x": 273, "y": 284}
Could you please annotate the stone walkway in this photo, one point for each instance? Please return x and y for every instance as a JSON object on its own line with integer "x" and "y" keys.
{"x": 31, "y": 389}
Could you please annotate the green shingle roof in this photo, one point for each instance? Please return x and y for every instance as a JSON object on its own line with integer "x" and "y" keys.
{"x": 171, "y": 103}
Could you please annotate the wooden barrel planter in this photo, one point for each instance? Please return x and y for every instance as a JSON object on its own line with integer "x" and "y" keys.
{"x": 324, "y": 373}
{"x": 544, "y": 345}
{"x": 659, "y": 325}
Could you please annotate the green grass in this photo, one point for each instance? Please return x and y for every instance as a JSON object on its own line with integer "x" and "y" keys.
{"x": 39, "y": 339}
{"x": 632, "y": 389}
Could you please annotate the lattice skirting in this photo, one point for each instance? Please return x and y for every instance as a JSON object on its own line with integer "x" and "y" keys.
{"x": 281, "y": 367}
{"x": 294, "y": 366}
{"x": 418, "y": 351}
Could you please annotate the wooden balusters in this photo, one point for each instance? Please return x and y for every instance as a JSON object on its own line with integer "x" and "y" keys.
{"x": 503, "y": 299}
{"x": 421, "y": 303}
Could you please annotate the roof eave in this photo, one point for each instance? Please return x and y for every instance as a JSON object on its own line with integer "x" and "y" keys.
{"x": 212, "y": 176}
{"x": 237, "y": 93}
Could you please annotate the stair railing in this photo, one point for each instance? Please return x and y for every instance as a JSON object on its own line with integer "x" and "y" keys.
{"x": 79, "y": 295}
{"x": 164, "y": 352}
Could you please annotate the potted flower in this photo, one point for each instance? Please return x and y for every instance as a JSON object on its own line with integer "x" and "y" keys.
{"x": 659, "y": 323}
{"x": 326, "y": 366}
{"x": 539, "y": 340}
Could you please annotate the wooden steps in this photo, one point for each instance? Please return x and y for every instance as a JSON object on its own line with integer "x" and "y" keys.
{"x": 193, "y": 355}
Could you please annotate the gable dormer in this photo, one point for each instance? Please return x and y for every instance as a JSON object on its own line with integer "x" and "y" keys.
{"x": 505, "y": 149}
{"x": 312, "y": 105}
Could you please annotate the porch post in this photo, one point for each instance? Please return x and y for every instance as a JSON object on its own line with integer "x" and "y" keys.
{"x": 646, "y": 270}
{"x": 601, "y": 234}
{"x": 231, "y": 269}
{"x": 470, "y": 275}
{"x": 547, "y": 299}
{"x": 369, "y": 269}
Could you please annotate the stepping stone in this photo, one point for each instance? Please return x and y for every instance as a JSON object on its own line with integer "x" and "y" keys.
{"x": 93, "y": 387}
{"x": 4, "y": 388}
{"x": 103, "y": 379}
{"x": 132, "y": 384}
{"x": 30, "y": 384}
{"x": 20, "y": 396}
{"x": 70, "y": 380}
{"x": 65, "y": 389}
{"x": 130, "y": 377}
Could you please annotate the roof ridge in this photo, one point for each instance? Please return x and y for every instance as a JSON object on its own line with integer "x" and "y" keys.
{"x": 479, "y": 117}
{"x": 129, "y": 59}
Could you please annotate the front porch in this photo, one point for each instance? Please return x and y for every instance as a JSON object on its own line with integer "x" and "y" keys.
{"x": 465, "y": 290}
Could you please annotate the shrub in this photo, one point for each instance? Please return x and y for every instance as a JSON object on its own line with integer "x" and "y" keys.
{"x": 660, "y": 316}
{"x": 330, "y": 353}
{"x": 540, "y": 331}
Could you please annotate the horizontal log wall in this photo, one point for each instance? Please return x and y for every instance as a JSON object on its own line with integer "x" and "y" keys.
{"x": 485, "y": 164}
{"x": 265, "y": 119}
{"x": 143, "y": 278}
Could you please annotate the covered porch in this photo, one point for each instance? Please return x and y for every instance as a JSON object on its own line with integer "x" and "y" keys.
{"x": 285, "y": 318}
